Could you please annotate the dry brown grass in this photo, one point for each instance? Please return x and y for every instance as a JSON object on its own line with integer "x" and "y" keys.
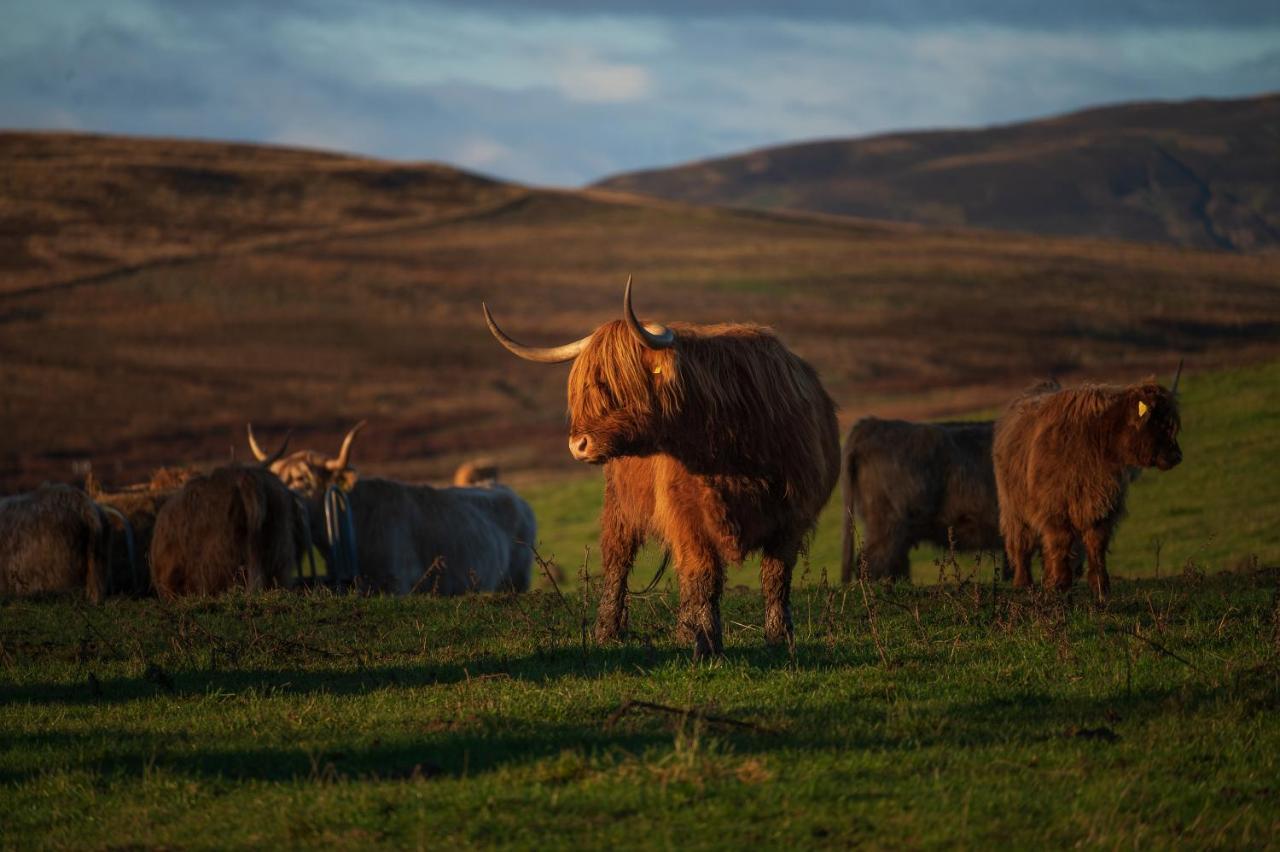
{"x": 314, "y": 315}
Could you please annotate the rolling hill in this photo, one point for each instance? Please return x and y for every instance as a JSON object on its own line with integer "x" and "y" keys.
{"x": 1203, "y": 173}
{"x": 156, "y": 295}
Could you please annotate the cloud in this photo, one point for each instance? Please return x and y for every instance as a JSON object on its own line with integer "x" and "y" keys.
{"x": 479, "y": 152}
{"x": 593, "y": 81}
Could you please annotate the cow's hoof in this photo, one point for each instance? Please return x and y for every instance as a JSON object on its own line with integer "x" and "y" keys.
{"x": 778, "y": 631}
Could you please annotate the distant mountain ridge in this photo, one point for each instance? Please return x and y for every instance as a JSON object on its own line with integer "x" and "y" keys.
{"x": 1200, "y": 173}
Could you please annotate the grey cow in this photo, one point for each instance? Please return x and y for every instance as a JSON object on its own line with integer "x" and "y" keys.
{"x": 411, "y": 538}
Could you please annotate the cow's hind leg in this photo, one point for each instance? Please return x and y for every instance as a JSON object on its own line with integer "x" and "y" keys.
{"x": 1096, "y": 540}
{"x": 1057, "y": 558}
{"x": 775, "y": 583}
{"x": 619, "y": 542}
{"x": 1019, "y": 544}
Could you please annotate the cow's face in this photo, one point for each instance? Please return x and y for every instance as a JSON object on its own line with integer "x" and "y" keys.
{"x": 624, "y": 386}
{"x": 305, "y": 473}
{"x": 621, "y": 396}
{"x": 1153, "y": 424}
{"x": 310, "y": 473}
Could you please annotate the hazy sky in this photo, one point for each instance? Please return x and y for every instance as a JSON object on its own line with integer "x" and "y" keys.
{"x": 567, "y": 92}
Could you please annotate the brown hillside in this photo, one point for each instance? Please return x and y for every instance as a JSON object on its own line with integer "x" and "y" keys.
{"x": 211, "y": 318}
{"x": 1202, "y": 173}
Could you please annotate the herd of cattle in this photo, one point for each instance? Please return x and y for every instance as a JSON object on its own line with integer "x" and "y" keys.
{"x": 715, "y": 440}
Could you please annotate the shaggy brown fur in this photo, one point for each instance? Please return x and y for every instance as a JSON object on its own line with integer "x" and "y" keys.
{"x": 914, "y": 482}
{"x": 723, "y": 445}
{"x": 52, "y": 540}
{"x": 1064, "y": 459}
{"x": 236, "y": 526}
{"x": 446, "y": 541}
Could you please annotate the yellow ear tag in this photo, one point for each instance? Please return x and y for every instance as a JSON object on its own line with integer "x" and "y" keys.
{"x": 657, "y": 369}
{"x": 1142, "y": 408}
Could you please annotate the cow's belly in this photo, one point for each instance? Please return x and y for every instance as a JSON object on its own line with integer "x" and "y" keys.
{"x": 731, "y": 515}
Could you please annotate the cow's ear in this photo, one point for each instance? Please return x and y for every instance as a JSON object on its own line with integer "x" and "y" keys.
{"x": 659, "y": 363}
{"x": 346, "y": 479}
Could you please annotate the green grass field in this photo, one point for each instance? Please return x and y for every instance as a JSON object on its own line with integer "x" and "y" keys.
{"x": 950, "y": 714}
{"x": 953, "y": 715}
{"x": 1217, "y": 509}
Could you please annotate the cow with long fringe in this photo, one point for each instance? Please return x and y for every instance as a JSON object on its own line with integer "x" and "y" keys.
{"x": 409, "y": 538}
{"x": 716, "y": 439}
{"x": 1064, "y": 458}
{"x": 916, "y": 482}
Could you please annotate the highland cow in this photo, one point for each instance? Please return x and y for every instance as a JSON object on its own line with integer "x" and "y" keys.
{"x": 1064, "y": 459}
{"x": 914, "y": 482}
{"x": 237, "y": 526}
{"x": 715, "y": 439}
{"x": 53, "y": 539}
{"x": 410, "y": 538}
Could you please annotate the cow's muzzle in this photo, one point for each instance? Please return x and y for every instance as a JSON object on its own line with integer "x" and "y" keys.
{"x": 1169, "y": 460}
{"x": 582, "y": 448}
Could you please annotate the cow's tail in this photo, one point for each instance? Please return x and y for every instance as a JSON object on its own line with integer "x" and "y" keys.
{"x": 848, "y": 502}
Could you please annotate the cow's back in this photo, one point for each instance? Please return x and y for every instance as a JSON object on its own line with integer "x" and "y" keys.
{"x": 52, "y": 540}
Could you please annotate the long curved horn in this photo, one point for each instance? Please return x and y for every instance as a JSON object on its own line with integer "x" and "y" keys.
{"x": 543, "y": 355}
{"x": 344, "y": 454}
{"x": 1176, "y": 377}
{"x": 653, "y": 336}
{"x": 253, "y": 445}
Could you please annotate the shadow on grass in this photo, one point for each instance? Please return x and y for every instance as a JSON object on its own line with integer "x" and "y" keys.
{"x": 541, "y": 666}
{"x": 479, "y": 744}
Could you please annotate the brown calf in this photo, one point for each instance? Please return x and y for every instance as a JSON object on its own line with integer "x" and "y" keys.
{"x": 1064, "y": 459}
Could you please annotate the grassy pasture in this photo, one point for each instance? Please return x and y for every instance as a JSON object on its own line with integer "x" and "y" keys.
{"x": 950, "y": 715}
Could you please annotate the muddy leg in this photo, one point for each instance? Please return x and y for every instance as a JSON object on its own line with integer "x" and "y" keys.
{"x": 618, "y": 545}
{"x": 1096, "y": 541}
{"x": 698, "y": 619}
{"x": 775, "y": 584}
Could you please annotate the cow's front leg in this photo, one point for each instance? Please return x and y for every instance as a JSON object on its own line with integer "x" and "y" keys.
{"x": 698, "y": 620}
{"x": 619, "y": 542}
{"x": 775, "y": 584}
